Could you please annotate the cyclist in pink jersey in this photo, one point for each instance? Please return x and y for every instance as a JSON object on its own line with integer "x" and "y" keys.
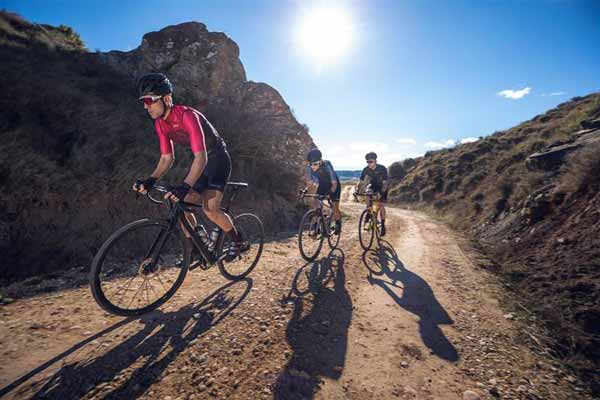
{"x": 211, "y": 166}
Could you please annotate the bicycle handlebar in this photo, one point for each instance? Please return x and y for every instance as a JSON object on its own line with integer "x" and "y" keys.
{"x": 317, "y": 196}
{"x": 158, "y": 188}
{"x": 368, "y": 194}
{"x": 303, "y": 194}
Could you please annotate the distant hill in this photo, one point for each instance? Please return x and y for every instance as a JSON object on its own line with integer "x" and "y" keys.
{"x": 531, "y": 196}
{"x": 348, "y": 175}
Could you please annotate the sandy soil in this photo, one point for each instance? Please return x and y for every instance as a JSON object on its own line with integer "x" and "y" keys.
{"x": 412, "y": 318}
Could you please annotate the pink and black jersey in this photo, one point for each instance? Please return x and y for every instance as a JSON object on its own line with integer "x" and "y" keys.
{"x": 187, "y": 126}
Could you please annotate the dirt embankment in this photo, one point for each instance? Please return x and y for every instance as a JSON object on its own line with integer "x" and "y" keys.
{"x": 529, "y": 196}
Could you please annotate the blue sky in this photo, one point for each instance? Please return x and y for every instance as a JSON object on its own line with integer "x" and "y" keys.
{"x": 411, "y": 77}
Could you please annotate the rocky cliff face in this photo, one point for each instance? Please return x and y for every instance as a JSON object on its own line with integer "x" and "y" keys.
{"x": 531, "y": 196}
{"x": 74, "y": 137}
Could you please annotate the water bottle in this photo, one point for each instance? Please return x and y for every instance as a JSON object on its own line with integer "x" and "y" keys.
{"x": 201, "y": 232}
{"x": 214, "y": 235}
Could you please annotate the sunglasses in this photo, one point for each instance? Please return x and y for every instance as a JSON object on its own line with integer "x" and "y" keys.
{"x": 149, "y": 100}
{"x": 314, "y": 164}
{"x": 370, "y": 161}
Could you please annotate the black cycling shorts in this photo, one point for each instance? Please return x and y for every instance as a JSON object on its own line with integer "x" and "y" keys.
{"x": 216, "y": 173}
{"x": 325, "y": 189}
{"x": 382, "y": 194}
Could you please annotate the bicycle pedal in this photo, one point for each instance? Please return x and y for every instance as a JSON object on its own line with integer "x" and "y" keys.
{"x": 195, "y": 265}
{"x": 206, "y": 267}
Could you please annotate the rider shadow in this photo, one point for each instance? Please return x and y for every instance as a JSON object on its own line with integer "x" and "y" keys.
{"x": 144, "y": 354}
{"x": 318, "y": 329}
{"x": 417, "y": 298}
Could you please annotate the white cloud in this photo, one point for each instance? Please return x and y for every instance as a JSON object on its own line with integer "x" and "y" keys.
{"x": 515, "y": 94}
{"x": 468, "y": 140}
{"x": 439, "y": 145}
{"x": 406, "y": 141}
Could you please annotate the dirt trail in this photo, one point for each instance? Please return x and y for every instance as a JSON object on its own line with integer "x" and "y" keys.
{"x": 411, "y": 319}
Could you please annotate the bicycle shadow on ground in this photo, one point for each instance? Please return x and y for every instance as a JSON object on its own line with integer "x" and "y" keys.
{"x": 131, "y": 367}
{"x": 417, "y": 297}
{"x": 318, "y": 329}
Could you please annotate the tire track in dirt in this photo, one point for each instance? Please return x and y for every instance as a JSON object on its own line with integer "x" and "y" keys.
{"x": 425, "y": 323}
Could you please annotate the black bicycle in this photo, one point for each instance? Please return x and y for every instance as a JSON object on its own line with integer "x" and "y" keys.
{"x": 369, "y": 226}
{"x": 141, "y": 265}
{"x": 315, "y": 226}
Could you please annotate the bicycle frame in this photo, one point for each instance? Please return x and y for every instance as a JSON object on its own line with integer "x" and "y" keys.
{"x": 329, "y": 205}
{"x": 177, "y": 215}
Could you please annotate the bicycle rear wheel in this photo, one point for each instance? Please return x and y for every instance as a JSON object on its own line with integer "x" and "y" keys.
{"x": 139, "y": 268}
{"x": 365, "y": 230}
{"x": 251, "y": 229}
{"x": 310, "y": 235}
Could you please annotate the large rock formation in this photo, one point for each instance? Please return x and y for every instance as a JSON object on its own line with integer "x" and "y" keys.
{"x": 74, "y": 136}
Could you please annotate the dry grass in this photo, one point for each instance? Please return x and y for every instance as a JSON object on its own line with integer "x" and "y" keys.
{"x": 582, "y": 171}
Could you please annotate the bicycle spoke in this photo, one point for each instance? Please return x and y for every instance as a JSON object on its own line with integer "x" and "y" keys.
{"x": 161, "y": 282}
{"x": 127, "y": 288}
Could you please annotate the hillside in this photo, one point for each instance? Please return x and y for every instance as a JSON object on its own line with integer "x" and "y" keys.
{"x": 75, "y": 137}
{"x": 530, "y": 196}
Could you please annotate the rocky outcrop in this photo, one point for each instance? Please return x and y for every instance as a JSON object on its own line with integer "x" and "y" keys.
{"x": 201, "y": 64}
{"x": 553, "y": 157}
{"x": 75, "y": 137}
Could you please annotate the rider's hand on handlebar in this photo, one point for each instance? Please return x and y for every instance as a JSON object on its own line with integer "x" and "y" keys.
{"x": 178, "y": 193}
{"x": 143, "y": 186}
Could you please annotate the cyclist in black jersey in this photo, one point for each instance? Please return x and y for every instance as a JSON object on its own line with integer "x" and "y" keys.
{"x": 376, "y": 175}
{"x": 321, "y": 173}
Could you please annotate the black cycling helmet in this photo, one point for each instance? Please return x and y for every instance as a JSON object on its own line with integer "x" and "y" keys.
{"x": 154, "y": 84}
{"x": 314, "y": 155}
{"x": 371, "y": 156}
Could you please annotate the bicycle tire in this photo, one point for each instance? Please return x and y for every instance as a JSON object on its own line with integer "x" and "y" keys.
{"x": 103, "y": 264}
{"x": 310, "y": 229}
{"x": 333, "y": 239}
{"x": 251, "y": 229}
{"x": 365, "y": 237}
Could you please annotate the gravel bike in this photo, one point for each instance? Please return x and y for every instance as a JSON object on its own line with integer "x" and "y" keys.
{"x": 142, "y": 264}
{"x": 316, "y": 225}
{"x": 369, "y": 226}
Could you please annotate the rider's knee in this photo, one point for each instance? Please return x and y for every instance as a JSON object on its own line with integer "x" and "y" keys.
{"x": 211, "y": 213}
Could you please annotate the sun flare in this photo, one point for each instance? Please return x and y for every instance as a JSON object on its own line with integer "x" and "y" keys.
{"x": 325, "y": 34}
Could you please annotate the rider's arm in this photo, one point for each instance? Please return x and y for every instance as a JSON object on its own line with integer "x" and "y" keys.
{"x": 164, "y": 164}
{"x": 384, "y": 183}
{"x": 362, "y": 182}
{"x": 311, "y": 180}
{"x": 192, "y": 125}
{"x": 333, "y": 177}
{"x": 167, "y": 154}
{"x": 198, "y": 165}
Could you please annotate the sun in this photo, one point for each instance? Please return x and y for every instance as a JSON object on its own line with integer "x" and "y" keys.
{"x": 325, "y": 34}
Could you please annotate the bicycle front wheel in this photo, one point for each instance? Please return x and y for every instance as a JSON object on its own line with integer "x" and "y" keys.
{"x": 139, "y": 268}
{"x": 252, "y": 232}
{"x": 365, "y": 230}
{"x": 333, "y": 238}
{"x": 310, "y": 235}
